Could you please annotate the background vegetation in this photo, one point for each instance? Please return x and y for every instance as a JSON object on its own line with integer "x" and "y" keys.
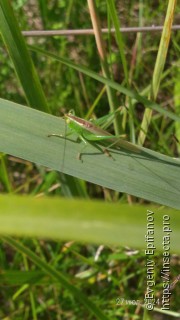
{"x": 51, "y": 279}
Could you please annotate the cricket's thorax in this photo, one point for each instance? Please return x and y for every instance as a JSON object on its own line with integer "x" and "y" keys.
{"x": 81, "y": 122}
{"x": 85, "y": 125}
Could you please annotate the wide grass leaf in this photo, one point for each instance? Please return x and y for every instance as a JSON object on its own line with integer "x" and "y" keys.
{"x": 86, "y": 221}
{"x": 147, "y": 174}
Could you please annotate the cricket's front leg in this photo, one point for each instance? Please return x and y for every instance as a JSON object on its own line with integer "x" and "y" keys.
{"x": 79, "y": 155}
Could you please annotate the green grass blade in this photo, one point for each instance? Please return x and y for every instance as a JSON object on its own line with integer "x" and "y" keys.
{"x": 115, "y": 21}
{"x": 130, "y": 93}
{"x": 57, "y": 276}
{"x": 149, "y": 175}
{"x": 4, "y": 177}
{"x": 158, "y": 69}
{"x": 21, "y": 59}
{"x": 112, "y": 99}
{"x": 163, "y": 49}
{"x": 177, "y": 105}
{"x": 85, "y": 221}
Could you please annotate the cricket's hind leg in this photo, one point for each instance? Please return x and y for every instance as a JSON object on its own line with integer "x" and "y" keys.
{"x": 79, "y": 155}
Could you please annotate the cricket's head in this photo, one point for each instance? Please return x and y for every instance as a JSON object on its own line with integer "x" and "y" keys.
{"x": 68, "y": 116}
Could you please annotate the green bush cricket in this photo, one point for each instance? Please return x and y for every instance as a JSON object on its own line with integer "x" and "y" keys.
{"x": 89, "y": 132}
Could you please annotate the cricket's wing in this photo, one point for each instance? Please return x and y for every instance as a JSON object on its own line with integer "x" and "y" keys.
{"x": 127, "y": 145}
{"x": 97, "y": 131}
